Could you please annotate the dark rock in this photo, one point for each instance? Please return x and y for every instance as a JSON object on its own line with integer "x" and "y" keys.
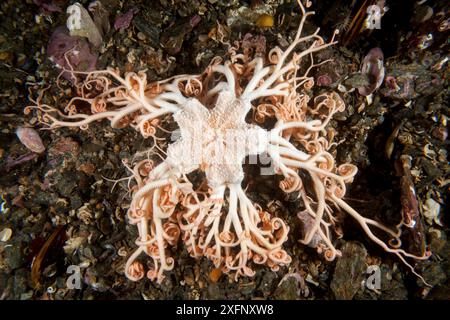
{"x": 67, "y": 184}
{"x": 439, "y": 244}
{"x": 434, "y": 274}
{"x": 287, "y": 290}
{"x": 439, "y": 293}
{"x": 92, "y": 147}
{"x": 105, "y": 226}
{"x": 19, "y": 283}
{"x": 213, "y": 292}
{"x": 357, "y": 80}
{"x": 14, "y": 256}
{"x": 349, "y": 272}
{"x": 150, "y": 30}
{"x": 267, "y": 282}
{"x": 392, "y": 286}
{"x": 75, "y": 202}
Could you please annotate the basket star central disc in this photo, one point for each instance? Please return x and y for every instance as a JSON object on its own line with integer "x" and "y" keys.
{"x": 216, "y": 141}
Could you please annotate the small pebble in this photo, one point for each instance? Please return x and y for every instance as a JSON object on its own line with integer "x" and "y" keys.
{"x": 203, "y": 37}
{"x": 141, "y": 36}
{"x": 265, "y": 20}
{"x": 5, "y": 234}
{"x": 5, "y": 56}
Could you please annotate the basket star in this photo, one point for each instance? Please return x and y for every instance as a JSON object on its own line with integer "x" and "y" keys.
{"x": 215, "y": 218}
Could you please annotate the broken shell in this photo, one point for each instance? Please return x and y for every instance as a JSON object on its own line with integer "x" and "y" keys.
{"x": 444, "y": 25}
{"x": 100, "y": 16}
{"x": 436, "y": 232}
{"x": 51, "y": 290}
{"x": 30, "y": 139}
{"x": 84, "y": 264}
{"x": 373, "y": 67}
{"x": 73, "y": 244}
{"x": 122, "y": 252}
{"x": 342, "y": 88}
{"x": 415, "y": 173}
{"x": 425, "y": 41}
{"x": 5, "y": 234}
{"x": 440, "y": 133}
{"x": 430, "y": 154}
{"x": 389, "y": 148}
{"x": 431, "y": 211}
{"x": 405, "y": 138}
{"x": 442, "y": 155}
{"x": 438, "y": 66}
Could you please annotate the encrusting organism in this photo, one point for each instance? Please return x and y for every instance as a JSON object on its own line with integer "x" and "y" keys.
{"x": 217, "y": 220}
